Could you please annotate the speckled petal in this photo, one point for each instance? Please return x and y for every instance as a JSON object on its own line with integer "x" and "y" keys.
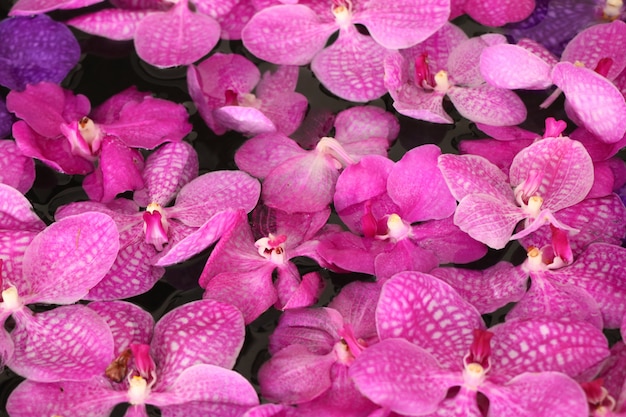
{"x": 499, "y": 13}
{"x": 540, "y": 345}
{"x": 215, "y": 191}
{"x": 67, "y": 343}
{"x": 361, "y": 123}
{"x": 286, "y": 34}
{"x": 352, "y": 67}
{"x": 68, "y": 258}
{"x": 128, "y": 323}
{"x": 429, "y": 313}
{"x": 34, "y": 49}
{"x": 175, "y": 37}
{"x": 417, "y": 186}
{"x": 536, "y": 395}
{"x": 488, "y": 104}
{"x": 463, "y": 64}
{"x": 421, "y": 105}
{"x": 566, "y": 168}
{"x": 499, "y": 65}
{"x": 401, "y": 377}
{"x": 16, "y": 169}
{"x": 597, "y": 42}
{"x": 489, "y": 289}
{"x": 402, "y": 24}
{"x": 206, "y": 390}
{"x": 166, "y": 171}
{"x": 594, "y": 99}
{"x": 116, "y": 24}
{"x": 200, "y": 332}
{"x": 93, "y": 398}
{"x": 261, "y": 154}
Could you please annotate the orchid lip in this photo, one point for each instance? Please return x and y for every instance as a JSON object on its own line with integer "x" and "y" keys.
{"x": 397, "y": 229}
{"x": 155, "y": 226}
{"x": 272, "y": 247}
{"x": 342, "y": 10}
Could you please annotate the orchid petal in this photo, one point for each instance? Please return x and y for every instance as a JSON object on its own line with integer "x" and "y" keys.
{"x": 488, "y": 104}
{"x": 31, "y": 7}
{"x": 499, "y": 66}
{"x": 128, "y": 323}
{"x": 115, "y": 24}
{"x": 498, "y": 13}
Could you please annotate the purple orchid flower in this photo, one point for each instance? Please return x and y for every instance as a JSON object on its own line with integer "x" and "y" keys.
{"x": 539, "y": 185}
{"x": 351, "y": 68}
{"x": 383, "y": 202}
{"x": 445, "y": 64}
{"x": 591, "y": 60}
{"x": 312, "y": 350}
{"x": 182, "y": 367}
{"x": 6, "y": 119}
{"x": 58, "y": 266}
{"x": 520, "y": 366}
{"x": 204, "y": 209}
{"x": 35, "y": 49}
{"x": 240, "y": 268}
{"x": 300, "y": 180}
{"x": 55, "y": 128}
{"x": 493, "y": 13}
{"x": 221, "y": 87}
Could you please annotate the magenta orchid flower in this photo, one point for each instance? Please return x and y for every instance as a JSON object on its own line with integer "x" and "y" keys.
{"x": 241, "y": 267}
{"x": 58, "y": 266}
{"x": 205, "y": 207}
{"x": 444, "y": 65}
{"x": 352, "y": 67}
{"x": 588, "y": 64}
{"x": 539, "y": 185}
{"x": 56, "y": 129}
{"x": 52, "y": 51}
{"x": 312, "y": 350}
{"x": 433, "y": 340}
{"x": 399, "y": 216}
{"x": 221, "y": 87}
{"x": 300, "y": 180}
{"x": 182, "y": 367}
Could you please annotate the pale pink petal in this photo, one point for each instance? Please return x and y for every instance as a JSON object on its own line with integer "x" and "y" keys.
{"x": 116, "y": 24}
{"x": 404, "y": 23}
{"x": 421, "y": 105}
{"x": 176, "y": 37}
{"x": 352, "y": 67}
{"x": 594, "y": 99}
{"x": 261, "y": 154}
{"x": 488, "y": 104}
{"x": 67, "y": 343}
{"x": 286, "y": 34}
{"x": 361, "y": 123}
{"x": 463, "y": 64}
{"x": 499, "y": 13}
{"x": 246, "y": 120}
{"x": 500, "y": 64}
{"x": 16, "y": 212}
{"x": 233, "y": 23}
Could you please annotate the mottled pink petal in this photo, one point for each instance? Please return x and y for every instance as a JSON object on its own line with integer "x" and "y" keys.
{"x": 597, "y": 42}
{"x": 304, "y": 291}
{"x": 357, "y": 304}
{"x": 128, "y": 323}
{"x": 417, "y": 186}
{"x": 233, "y": 23}
{"x": 16, "y": 211}
{"x": 357, "y": 124}
{"x": 499, "y": 65}
{"x": 166, "y": 171}
{"x": 69, "y": 342}
{"x": 85, "y": 398}
{"x": 315, "y": 328}
{"x": 352, "y": 67}
{"x": 68, "y": 258}
{"x": 200, "y": 332}
{"x": 539, "y": 49}
{"x": 403, "y": 23}
{"x": 296, "y": 375}
{"x": 16, "y": 169}
{"x": 463, "y": 63}
{"x": 286, "y": 34}
{"x": 205, "y": 389}
{"x": 498, "y": 152}
{"x": 594, "y": 99}
{"x": 175, "y": 37}
{"x": 530, "y": 395}
{"x": 490, "y": 13}
{"x": 247, "y": 120}
{"x": 31, "y": 7}
{"x": 261, "y": 154}
{"x": 488, "y": 104}
{"x": 566, "y": 168}
{"x": 426, "y": 312}
{"x": 463, "y": 404}
{"x": 489, "y": 289}
{"x": 419, "y": 104}
{"x": 541, "y": 345}
{"x": 116, "y": 24}
{"x": 422, "y": 386}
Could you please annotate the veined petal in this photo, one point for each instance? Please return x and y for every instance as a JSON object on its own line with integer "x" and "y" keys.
{"x": 463, "y": 64}
{"x": 421, "y": 105}
{"x": 67, "y": 343}
{"x": 352, "y": 67}
{"x": 261, "y": 154}
{"x": 361, "y": 123}
{"x": 128, "y": 322}
{"x": 488, "y": 104}
{"x": 499, "y": 66}
{"x": 17, "y": 212}
{"x": 595, "y": 100}
{"x": 175, "y": 37}
{"x": 116, "y": 24}
{"x": 200, "y": 332}
{"x": 286, "y": 34}
{"x": 498, "y": 13}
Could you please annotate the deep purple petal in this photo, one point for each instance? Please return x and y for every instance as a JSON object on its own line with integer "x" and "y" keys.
{"x": 67, "y": 343}
{"x": 200, "y": 332}
{"x": 175, "y": 37}
{"x": 34, "y": 49}
{"x": 68, "y": 258}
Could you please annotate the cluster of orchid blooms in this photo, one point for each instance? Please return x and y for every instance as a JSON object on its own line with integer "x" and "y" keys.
{"x": 411, "y": 340}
